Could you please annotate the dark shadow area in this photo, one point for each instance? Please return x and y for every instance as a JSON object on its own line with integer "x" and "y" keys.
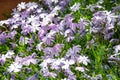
{"x": 6, "y": 7}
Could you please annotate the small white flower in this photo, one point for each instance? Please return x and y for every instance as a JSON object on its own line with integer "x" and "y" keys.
{"x": 83, "y": 59}
{"x": 75, "y": 7}
{"x": 43, "y": 15}
{"x": 15, "y": 67}
{"x": 2, "y": 59}
{"x": 54, "y": 1}
{"x": 21, "y": 6}
{"x": 82, "y": 69}
{"x": 47, "y": 19}
{"x": 68, "y": 32}
{"x": 39, "y": 46}
{"x": 32, "y": 18}
{"x": 15, "y": 26}
{"x": 55, "y": 10}
{"x": 117, "y": 48}
{"x": 67, "y": 64}
{"x": 31, "y": 6}
{"x": 35, "y": 26}
{"x": 24, "y": 40}
{"x": 64, "y": 79}
{"x": 9, "y": 54}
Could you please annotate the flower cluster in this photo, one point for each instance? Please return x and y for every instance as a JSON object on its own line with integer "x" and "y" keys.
{"x": 64, "y": 64}
{"x": 48, "y": 39}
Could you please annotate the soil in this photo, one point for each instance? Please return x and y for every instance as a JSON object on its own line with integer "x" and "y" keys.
{"x": 6, "y": 7}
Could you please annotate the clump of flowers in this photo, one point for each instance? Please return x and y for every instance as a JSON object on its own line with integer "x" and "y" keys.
{"x": 47, "y": 40}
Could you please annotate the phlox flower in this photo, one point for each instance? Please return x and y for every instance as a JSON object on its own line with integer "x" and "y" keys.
{"x": 55, "y": 1}
{"x": 31, "y": 6}
{"x": 50, "y": 74}
{"x": 72, "y": 53}
{"x": 9, "y": 54}
{"x": 55, "y": 10}
{"x": 72, "y": 77}
{"x": 14, "y": 67}
{"x": 56, "y": 64}
{"x": 82, "y": 69}
{"x": 3, "y": 37}
{"x": 39, "y": 46}
{"x": 52, "y": 51}
{"x": 70, "y": 38}
{"x": 12, "y": 34}
{"x": 49, "y": 38}
{"x": 21, "y": 6}
{"x": 67, "y": 63}
{"x": 2, "y": 59}
{"x": 117, "y": 48}
{"x": 75, "y": 7}
{"x": 34, "y": 77}
{"x": 24, "y": 40}
{"x": 68, "y": 32}
{"x": 83, "y": 59}
{"x": 27, "y": 60}
{"x": 46, "y": 62}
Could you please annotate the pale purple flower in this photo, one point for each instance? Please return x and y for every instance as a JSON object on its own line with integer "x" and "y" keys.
{"x": 24, "y": 15}
{"x": 41, "y": 33}
{"x": 70, "y": 38}
{"x": 63, "y": 4}
{"x": 81, "y": 25}
{"x": 98, "y": 5}
{"x": 3, "y": 37}
{"x": 72, "y": 77}
{"x": 2, "y": 59}
{"x": 49, "y": 38}
{"x": 108, "y": 35}
{"x": 58, "y": 48}
{"x": 55, "y": 10}
{"x": 26, "y": 29}
{"x": 57, "y": 63}
{"x": 45, "y": 71}
{"x": 52, "y": 51}
{"x": 72, "y": 53}
{"x": 73, "y": 27}
{"x": 12, "y": 34}
{"x": 23, "y": 40}
{"x": 68, "y": 19}
{"x": 50, "y": 74}
{"x": 68, "y": 72}
{"x": 48, "y": 52}
{"x": 34, "y": 77}
{"x": 68, "y": 32}
{"x": 27, "y": 60}
{"x": 12, "y": 77}
{"x": 53, "y": 27}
